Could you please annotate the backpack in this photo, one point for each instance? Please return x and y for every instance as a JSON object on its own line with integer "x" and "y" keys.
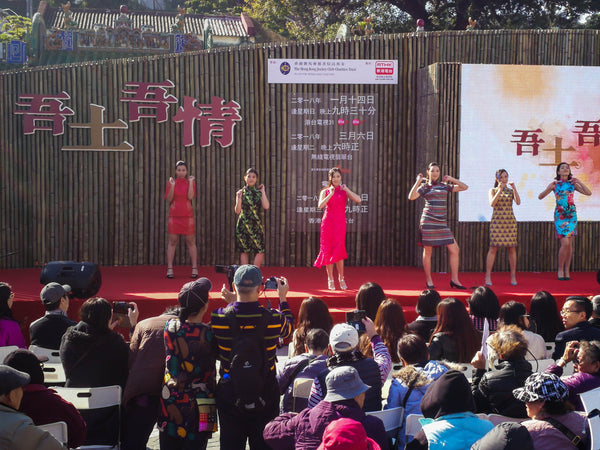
{"x": 249, "y": 368}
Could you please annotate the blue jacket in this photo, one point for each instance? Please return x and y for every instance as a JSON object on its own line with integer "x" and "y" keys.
{"x": 455, "y": 431}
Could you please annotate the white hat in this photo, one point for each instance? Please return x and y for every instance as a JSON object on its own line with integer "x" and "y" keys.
{"x": 343, "y": 338}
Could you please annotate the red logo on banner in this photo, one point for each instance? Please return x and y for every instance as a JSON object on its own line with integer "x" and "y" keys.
{"x": 384, "y": 68}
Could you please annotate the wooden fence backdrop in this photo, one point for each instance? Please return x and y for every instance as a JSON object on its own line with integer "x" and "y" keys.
{"x": 109, "y": 207}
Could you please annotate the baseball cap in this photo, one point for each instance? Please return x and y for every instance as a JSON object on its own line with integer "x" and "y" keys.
{"x": 247, "y": 276}
{"x": 347, "y": 434}
{"x": 542, "y": 386}
{"x": 344, "y": 383}
{"x": 53, "y": 292}
{"x": 343, "y": 338}
{"x": 11, "y": 379}
{"x": 195, "y": 293}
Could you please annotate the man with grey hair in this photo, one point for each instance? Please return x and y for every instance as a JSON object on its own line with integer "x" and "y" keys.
{"x": 595, "y": 319}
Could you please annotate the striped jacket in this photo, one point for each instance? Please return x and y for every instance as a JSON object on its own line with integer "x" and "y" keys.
{"x": 249, "y": 315}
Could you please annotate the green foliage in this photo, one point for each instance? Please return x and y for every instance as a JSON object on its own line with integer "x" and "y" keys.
{"x": 14, "y": 28}
{"x": 214, "y": 6}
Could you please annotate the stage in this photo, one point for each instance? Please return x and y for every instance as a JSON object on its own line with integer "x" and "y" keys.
{"x": 153, "y": 292}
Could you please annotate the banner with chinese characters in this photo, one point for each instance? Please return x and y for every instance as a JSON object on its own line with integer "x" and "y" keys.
{"x": 325, "y": 131}
{"x": 333, "y": 71}
{"x": 528, "y": 119}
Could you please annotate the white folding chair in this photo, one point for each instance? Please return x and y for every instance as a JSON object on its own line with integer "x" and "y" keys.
{"x": 468, "y": 370}
{"x": 499, "y": 418}
{"x": 542, "y": 364}
{"x": 54, "y": 374}
{"x": 5, "y": 351}
{"x": 58, "y": 430}
{"x": 52, "y": 355}
{"x": 301, "y": 389}
{"x": 392, "y": 420}
{"x": 94, "y": 398}
{"x": 591, "y": 404}
{"x": 413, "y": 426}
{"x": 550, "y": 349}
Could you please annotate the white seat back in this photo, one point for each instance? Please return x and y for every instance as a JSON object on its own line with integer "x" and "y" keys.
{"x": 52, "y": 355}
{"x": 391, "y": 418}
{"x": 91, "y": 398}
{"x": 591, "y": 404}
{"x": 58, "y": 430}
{"x": 542, "y": 364}
{"x": 54, "y": 374}
{"x": 5, "y": 351}
{"x": 413, "y": 426}
{"x": 550, "y": 349}
{"x": 301, "y": 389}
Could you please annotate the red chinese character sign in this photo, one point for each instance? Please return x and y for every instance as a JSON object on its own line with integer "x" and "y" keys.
{"x": 325, "y": 131}
{"x": 528, "y": 119}
{"x": 147, "y": 101}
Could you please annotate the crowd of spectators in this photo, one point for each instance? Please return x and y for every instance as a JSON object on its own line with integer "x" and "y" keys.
{"x": 168, "y": 371}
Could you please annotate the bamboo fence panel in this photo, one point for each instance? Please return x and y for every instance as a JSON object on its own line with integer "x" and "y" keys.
{"x": 109, "y": 207}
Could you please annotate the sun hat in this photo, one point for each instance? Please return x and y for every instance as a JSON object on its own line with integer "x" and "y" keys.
{"x": 344, "y": 383}
{"x": 542, "y": 386}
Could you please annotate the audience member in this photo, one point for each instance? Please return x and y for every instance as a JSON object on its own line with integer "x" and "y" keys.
{"x": 247, "y": 403}
{"x": 515, "y": 313}
{"x": 575, "y": 314}
{"x": 426, "y": 309}
{"x": 595, "y": 319}
{"x": 586, "y": 358}
{"x": 17, "y": 431}
{"x": 454, "y": 338}
{"x": 484, "y": 305}
{"x": 493, "y": 391}
{"x": 188, "y": 414}
{"x": 347, "y": 434}
{"x": 553, "y": 425}
{"x": 93, "y": 355}
{"x": 544, "y": 313}
{"x": 307, "y": 365}
{"x": 368, "y": 298}
{"x": 343, "y": 344}
{"x": 48, "y": 330}
{"x": 44, "y": 405}
{"x": 449, "y": 406}
{"x": 505, "y": 436}
{"x": 390, "y": 325}
{"x": 345, "y": 399}
{"x": 10, "y": 332}
{"x": 410, "y": 383}
{"x": 313, "y": 314}
{"x": 141, "y": 397}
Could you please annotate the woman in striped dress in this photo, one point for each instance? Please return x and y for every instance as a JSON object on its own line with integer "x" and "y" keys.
{"x": 434, "y": 231}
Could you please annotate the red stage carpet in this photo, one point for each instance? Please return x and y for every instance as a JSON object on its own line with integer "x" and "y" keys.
{"x": 153, "y": 292}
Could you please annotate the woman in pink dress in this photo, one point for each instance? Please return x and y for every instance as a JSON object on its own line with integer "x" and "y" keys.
{"x": 333, "y": 199}
{"x": 179, "y": 193}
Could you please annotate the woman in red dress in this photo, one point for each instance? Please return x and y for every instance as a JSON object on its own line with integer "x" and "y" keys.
{"x": 333, "y": 199}
{"x": 180, "y": 192}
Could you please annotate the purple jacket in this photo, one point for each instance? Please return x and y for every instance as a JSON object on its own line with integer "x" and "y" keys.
{"x": 284, "y": 378}
{"x": 577, "y": 383}
{"x": 10, "y": 334}
{"x": 304, "y": 431}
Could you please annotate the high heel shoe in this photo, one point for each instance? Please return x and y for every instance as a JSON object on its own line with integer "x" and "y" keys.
{"x": 331, "y": 284}
{"x": 429, "y": 286}
{"x": 194, "y": 272}
{"x": 456, "y": 286}
{"x": 170, "y": 273}
{"x": 343, "y": 285}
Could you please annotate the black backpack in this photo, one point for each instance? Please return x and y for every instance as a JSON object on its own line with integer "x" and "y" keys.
{"x": 249, "y": 368}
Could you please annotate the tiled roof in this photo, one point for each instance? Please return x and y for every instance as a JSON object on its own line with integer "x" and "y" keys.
{"x": 161, "y": 21}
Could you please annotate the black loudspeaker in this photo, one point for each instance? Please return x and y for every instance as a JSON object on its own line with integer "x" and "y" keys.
{"x": 83, "y": 277}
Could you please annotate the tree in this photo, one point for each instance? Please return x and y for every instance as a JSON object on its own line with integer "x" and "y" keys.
{"x": 14, "y": 28}
{"x": 214, "y": 6}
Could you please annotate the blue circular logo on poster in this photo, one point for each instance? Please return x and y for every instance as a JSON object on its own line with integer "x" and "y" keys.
{"x": 285, "y": 68}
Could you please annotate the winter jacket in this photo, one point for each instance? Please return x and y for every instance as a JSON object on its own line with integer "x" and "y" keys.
{"x": 419, "y": 377}
{"x": 444, "y": 347}
{"x": 423, "y": 326}
{"x": 304, "y": 431}
{"x": 505, "y": 436}
{"x": 10, "y": 333}
{"x": 449, "y": 406}
{"x": 48, "y": 330}
{"x": 493, "y": 391}
{"x": 546, "y": 437}
{"x": 577, "y": 383}
{"x": 583, "y": 331}
{"x": 17, "y": 432}
{"x": 286, "y": 383}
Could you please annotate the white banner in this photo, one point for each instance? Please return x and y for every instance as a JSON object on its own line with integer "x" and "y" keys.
{"x": 333, "y": 71}
{"x": 527, "y": 119}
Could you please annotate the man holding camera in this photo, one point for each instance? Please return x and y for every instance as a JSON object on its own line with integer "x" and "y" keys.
{"x": 247, "y": 335}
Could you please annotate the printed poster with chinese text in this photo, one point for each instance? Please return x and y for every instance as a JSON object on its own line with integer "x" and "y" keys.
{"x": 527, "y": 119}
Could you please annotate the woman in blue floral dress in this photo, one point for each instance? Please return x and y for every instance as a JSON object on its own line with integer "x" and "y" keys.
{"x": 565, "y": 214}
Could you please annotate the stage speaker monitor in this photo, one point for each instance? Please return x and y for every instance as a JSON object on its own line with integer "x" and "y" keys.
{"x": 83, "y": 277}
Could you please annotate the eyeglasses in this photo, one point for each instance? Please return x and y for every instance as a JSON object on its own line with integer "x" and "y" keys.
{"x": 566, "y": 312}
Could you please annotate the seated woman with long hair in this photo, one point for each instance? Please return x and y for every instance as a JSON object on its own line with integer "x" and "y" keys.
{"x": 313, "y": 314}
{"x": 10, "y": 332}
{"x": 368, "y": 298}
{"x": 492, "y": 390}
{"x": 455, "y": 338}
{"x": 544, "y": 313}
{"x": 390, "y": 325}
